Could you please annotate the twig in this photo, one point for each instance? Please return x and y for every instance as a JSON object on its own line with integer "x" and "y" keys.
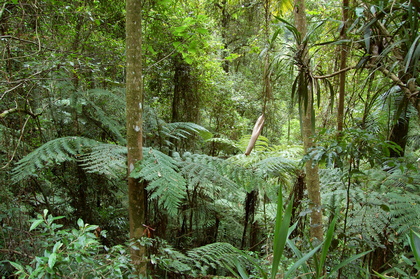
{"x": 17, "y": 145}
{"x": 16, "y": 252}
{"x": 157, "y": 62}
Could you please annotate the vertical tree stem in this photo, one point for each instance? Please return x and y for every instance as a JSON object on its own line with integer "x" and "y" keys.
{"x": 134, "y": 96}
{"x": 312, "y": 176}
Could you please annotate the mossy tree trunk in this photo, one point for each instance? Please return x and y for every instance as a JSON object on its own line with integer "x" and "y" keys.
{"x": 134, "y": 95}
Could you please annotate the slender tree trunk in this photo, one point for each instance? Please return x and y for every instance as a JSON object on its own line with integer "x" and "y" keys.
{"x": 306, "y": 105}
{"x": 343, "y": 62}
{"x": 134, "y": 96}
{"x": 267, "y": 89}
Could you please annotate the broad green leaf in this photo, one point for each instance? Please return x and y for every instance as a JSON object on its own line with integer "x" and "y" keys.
{"x": 18, "y": 267}
{"x": 52, "y": 260}
{"x": 35, "y": 224}
{"x": 80, "y": 223}
{"x": 413, "y": 53}
{"x": 414, "y": 240}
{"x": 57, "y": 246}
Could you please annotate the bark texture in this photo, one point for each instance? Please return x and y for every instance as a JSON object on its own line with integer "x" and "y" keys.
{"x": 312, "y": 176}
{"x": 343, "y": 64}
{"x": 134, "y": 96}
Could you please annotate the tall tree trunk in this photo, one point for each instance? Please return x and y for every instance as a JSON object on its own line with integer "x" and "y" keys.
{"x": 267, "y": 89}
{"x": 134, "y": 95}
{"x": 306, "y": 105}
{"x": 343, "y": 62}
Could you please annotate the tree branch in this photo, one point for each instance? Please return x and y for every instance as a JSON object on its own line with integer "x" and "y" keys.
{"x": 16, "y": 109}
{"x": 16, "y": 252}
{"x": 335, "y": 73}
{"x": 410, "y": 90}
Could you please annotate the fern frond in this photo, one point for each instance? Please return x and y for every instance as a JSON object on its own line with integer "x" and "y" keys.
{"x": 405, "y": 210}
{"x": 198, "y": 261}
{"x": 218, "y": 254}
{"x": 178, "y": 130}
{"x": 202, "y": 168}
{"x": 226, "y": 141}
{"x": 166, "y": 184}
{"x": 105, "y": 120}
{"x": 106, "y": 159}
{"x": 278, "y": 167}
{"x": 51, "y": 153}
{"x": 262, "y": 143}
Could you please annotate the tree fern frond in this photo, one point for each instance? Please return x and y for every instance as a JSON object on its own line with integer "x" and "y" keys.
{"x": 405, "y": 210}
{"x": 262, "y": 143}
{"x": 178, "y": 130}
{"x": 226, "y": 141}
{"x": 202, "y": 169}
{"x": 369, "y": 222}
{"x": 51, "y": 153}
{"x": 107, "y": 159}
{"x": 287, "y": 151}
{"x": 166, "y": 184}
{"x": 215, "y": 255}
{"x": 198, "y": 261}
{"x": 278, "y": 166}
{"x": 214, "y": 170}
{"x": 107, "y": 121}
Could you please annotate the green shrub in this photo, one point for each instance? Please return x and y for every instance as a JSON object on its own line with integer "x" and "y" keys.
{"x": 73, "y": 253}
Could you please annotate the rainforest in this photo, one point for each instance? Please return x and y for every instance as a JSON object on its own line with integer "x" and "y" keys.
{"x": 210, "y": 139}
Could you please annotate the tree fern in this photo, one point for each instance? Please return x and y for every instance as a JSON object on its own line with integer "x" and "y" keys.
{"x": 105, "y": 120}
{"x": 278, "y": 167}
{"x": 405, "y": 211}
{"x": 165, "y": 182}
{"x": 178, "y": 130}
{"x": 52, "y": 153}
{"x": 199, "y": 261}
{"x": 232, "y": 176}
{"x": 106, "y": 159}
{"x": 163, "y": 135}
{"x": 106, "y": 109}
{"x": 382, "y": 205}
{"x": 215, "y": 255}
{"x": 203, "y": 169}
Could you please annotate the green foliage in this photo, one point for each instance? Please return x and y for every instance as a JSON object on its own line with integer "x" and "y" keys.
{"x": 351, "y": 148}
{"x": 414, "y": 240}
{"x": 201, "y": 260}
{"x": 106, "y": 159}
{"x": 52, "y": 153}
{"x": 73, "y": 253}
{"x": 207, "y": 170}
{"x": 165, "y": 183}
{"x": 280, "y": 233}
{"x": 375, "y": 215}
